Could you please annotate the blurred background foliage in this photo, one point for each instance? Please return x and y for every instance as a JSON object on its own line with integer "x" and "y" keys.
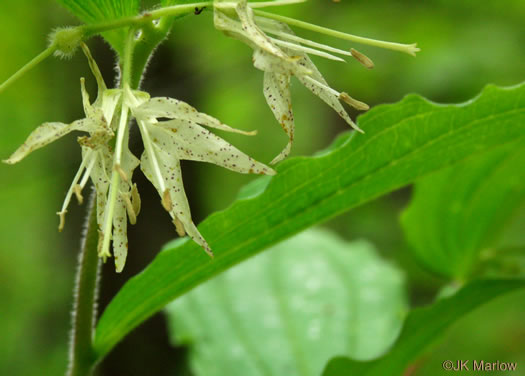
{"x": 466, "y": 44}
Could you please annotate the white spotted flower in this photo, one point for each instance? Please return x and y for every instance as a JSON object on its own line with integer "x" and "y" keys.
{"x": 183, "y": 137}
{"x": 107, "y": 160}
{"x": 283, "y": 55}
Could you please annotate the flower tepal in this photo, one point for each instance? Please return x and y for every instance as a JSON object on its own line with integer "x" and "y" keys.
{"x": 183, "y": 137}
{"x": 281, "y": 54}
{"x": 108, "y": 162}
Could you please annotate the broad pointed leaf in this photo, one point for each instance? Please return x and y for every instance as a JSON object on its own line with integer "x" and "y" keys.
{"x": 403, "y": 142}
{"x": 423, "y": 327}
{"x": 457, "y": 214}
{"x": 97, "y": 11}
{"x": 289, "y": 310}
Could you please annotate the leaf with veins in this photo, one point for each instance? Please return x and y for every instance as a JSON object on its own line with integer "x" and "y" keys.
{"x": 120, "y": 219}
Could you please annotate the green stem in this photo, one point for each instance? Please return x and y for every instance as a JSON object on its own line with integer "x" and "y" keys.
{"x": 91, "y": 30}
{"x": 26, "y": 68}
{"x": 410, "y": 49}
{"x": 146, "y": 17}
{"x": 126, "y": 63}
{"x": 81, "y": 354}
{"x": 171, "y": 11}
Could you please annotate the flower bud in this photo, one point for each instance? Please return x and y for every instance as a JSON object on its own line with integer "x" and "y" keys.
{"x": 66, "y": 40}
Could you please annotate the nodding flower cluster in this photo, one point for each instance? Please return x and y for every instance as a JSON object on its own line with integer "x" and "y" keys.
{"x": 106, "y": 157}
{"x": 283, "y": 55}
{"x": 111, "y": 168}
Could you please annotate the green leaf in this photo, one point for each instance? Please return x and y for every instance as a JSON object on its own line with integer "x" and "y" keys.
{"x": 166, "y": 3}
{"x": 312, "y": 297}
{"x": 403, "y": 142}
{"x": 96, "y": 11}
{"x": 423, "y": 327}
{"x": 459, "y": 212}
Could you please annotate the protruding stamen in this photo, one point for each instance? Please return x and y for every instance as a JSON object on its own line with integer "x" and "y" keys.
{"x": 62, "y": 215}
{"x": 132, "y": 216}
{"x": 179, "y": 227}
{"x": 73, "y": 189}
{"x": 362, "y": 58}
{"x": 135, "y": 199}
{"x": 87, "y": 173}
{"x": 358, "y": 105}
{"x": 323, "y": 86}
{"x": 342, "y": 96}
{"x": 410, "y": 49}
{"x": 308, "y": 50}
{"x": 77, "y": 189}
{"x": 100, "y": 247}
{"x": 166, "y": 201}
{"x": 295, "y": 38}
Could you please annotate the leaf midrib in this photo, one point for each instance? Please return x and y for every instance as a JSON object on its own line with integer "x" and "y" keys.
{"x": 338, "y": 192}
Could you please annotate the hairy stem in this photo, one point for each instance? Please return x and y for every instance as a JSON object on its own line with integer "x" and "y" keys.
{"x": 145, "y": 20}
{"x": 169, "y": 11}
{"x": 81, "y": 354}
{"x": 126, "y": 64}
{"x": 147, "y": 17}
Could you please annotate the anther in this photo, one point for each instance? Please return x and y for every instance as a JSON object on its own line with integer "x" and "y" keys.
{"x": 166, "y": 201}
{"x": 77, "y": 189}
{"x": 132, "y": 216}
{"x": 358, "y": 105}
{"x": 362, "y": 58}
{"x": 101, "y": 253}
{"x": 62, "y": 215}
{"x": 135, "y": 199}
{"x": 179, "y": 227}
